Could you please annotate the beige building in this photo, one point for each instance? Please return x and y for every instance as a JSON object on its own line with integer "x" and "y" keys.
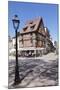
{"x": 34, "y": 39}
{"x": 9, "y": 43}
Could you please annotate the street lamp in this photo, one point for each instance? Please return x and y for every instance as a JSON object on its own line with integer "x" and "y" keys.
{"x": 16, "y": 26}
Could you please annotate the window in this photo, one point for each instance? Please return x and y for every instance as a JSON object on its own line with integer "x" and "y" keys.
{"x": 25, "y": 28}
{"x": 22, "y": 39}
{"x": 31, "y": 38}
{"x": 32, "y": 27}
{"x": 41, "y": 43}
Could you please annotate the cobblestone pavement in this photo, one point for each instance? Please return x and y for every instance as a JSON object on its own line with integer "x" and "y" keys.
{"x": 34, "y": 73}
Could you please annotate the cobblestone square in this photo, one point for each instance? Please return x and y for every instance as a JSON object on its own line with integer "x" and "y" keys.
{"x": 35, "y": 72}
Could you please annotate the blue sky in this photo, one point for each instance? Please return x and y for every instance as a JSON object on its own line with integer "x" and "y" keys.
{"x": 27, "y": 11}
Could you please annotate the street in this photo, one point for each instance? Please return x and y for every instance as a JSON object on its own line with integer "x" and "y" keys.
{"x": 34, "y": 73}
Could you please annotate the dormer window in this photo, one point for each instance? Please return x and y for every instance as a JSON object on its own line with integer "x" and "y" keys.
{"x": 32, "y": 27}
{"x": 25, "y": 28}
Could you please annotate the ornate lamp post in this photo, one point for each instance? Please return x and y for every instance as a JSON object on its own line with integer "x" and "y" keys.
{"x": 16, "y": 26}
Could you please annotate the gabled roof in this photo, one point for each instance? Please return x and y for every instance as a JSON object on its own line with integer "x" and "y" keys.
{"x": 32, "y": 25}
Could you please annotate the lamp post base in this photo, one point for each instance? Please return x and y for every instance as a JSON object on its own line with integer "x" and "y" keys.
{"x": 17, "y": 78}
{"x": 17, "y": 82}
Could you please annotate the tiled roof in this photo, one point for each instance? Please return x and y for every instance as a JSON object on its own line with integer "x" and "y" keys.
{"x": 31, "y": 25}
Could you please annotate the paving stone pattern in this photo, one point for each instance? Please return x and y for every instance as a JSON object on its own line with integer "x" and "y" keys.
{"x": 34, "y": 73}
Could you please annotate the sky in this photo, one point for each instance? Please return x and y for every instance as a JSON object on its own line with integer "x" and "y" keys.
{"x": 29, "y": 11}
